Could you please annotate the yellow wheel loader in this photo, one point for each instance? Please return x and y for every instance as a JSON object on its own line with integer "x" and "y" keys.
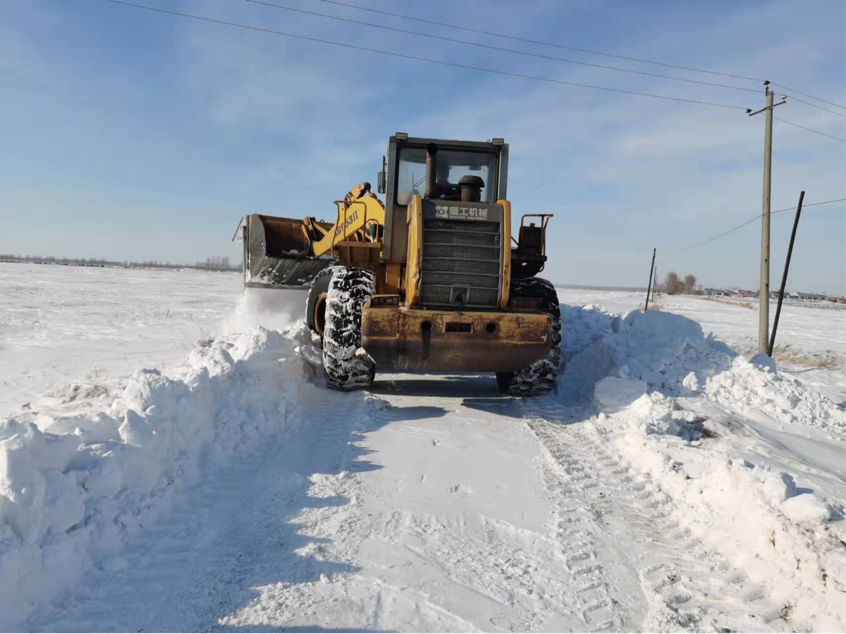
{"x": 429, "y": 280}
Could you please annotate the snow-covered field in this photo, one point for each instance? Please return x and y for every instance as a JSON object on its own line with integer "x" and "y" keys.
{"x": 60, "y": 324}
{"x": 168, "y": 465}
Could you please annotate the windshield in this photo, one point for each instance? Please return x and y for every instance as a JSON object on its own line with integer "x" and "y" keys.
{"x": 452, "y": 165}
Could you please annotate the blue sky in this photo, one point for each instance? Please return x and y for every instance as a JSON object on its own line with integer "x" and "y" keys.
{"x": 130, "y": 134}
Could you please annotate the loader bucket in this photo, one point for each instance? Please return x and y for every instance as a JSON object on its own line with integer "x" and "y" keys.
{"x": 276, "y": 253}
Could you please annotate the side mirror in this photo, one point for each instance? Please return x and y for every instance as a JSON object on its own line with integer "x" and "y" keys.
{"x": 381, "y": 180}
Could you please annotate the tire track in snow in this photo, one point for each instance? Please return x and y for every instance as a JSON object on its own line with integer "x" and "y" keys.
{"x": 501, "y": 568}
{"x": 614, "y": 515}
{"x": 575, "y": 531}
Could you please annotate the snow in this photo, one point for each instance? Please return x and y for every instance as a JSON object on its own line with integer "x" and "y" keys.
{"x": 780, "y": 398}
{"x": 668, "y": 484}
{"x": 615, "y": 392}
{"x": 747, "y": 509}
{"x": 806, "y": 508}
{"x": 98, "y": 325}
{"x": 764, "y": 362}
{"x": 77, "y": 493}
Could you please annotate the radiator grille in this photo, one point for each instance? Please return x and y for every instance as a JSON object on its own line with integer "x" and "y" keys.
{"x": 460, "y": 252}
{"x": 446, "y": 279}
{"x": 461, "y": 263}
{"x": 463, "y": 226}
{"x": 442, "y": 296}
{"x": 461, "y": 266}
{"x": 454, "y": 236}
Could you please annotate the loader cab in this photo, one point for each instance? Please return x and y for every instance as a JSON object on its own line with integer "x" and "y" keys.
{"x": 436, "y": 169}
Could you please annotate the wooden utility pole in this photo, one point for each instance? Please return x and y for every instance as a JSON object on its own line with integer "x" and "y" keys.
{"x": 764, "y": 287}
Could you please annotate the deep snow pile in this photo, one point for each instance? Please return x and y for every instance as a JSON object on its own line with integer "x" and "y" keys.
{"x": 663, "y": 349}
{"x": 659, "y": 374}
{"x": 670, "y": 353}
{"x": 787, "y": 539}
{"x": 755, "y": 388}
{"x": 68, "y": 499}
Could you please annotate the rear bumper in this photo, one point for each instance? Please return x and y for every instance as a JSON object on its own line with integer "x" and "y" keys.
{"x": 406, "y": 339}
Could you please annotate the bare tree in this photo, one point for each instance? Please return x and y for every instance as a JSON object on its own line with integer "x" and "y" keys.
{"x": 672, "y": 284}
{"x": 689, "y": 283}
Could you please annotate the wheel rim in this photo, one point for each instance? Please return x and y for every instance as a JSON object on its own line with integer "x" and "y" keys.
{"x": 319, "y": 315}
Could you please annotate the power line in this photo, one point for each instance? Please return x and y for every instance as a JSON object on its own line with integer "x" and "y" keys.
{"x": 506, "y": 50}
{"x": 517, "y": 52}
{"x": 569, "y": 48}
{"x": 830, "y": 103}
{"x": 522, "y": 39}
{"x": 830, "y": 136}
{"x": 407, "y": 17}
{"x": 813, "y": 105}
{"x": 750, "y": 221}
{"x": 421, "y": 59}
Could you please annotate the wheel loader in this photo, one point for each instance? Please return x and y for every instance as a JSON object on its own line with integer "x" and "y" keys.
{"x": 430, "y": 280}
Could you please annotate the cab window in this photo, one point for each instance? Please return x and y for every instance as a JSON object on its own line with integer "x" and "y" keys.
{"x": 451, "y": 166}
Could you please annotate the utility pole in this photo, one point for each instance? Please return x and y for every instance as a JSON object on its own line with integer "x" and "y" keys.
{"x": 764, "y": 287}
{"x": 786, "y": 269}
{"x": 649, "y": 286}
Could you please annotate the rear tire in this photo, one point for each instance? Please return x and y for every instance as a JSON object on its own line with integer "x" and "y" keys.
{"x": 539, "y": 377}
{"x": 345, "y": 365}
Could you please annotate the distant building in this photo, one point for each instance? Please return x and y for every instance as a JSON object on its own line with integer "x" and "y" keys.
{"x": 812, "y": 297}
{"x": 744, "y": 293}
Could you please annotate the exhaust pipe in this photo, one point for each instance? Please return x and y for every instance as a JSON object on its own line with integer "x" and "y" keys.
{"x": 431, "y": 171}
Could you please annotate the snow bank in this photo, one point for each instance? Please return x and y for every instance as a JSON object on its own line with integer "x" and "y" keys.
{"x": 750, "y": 513}
{"x": 660, "y": 350}
{"x": 612, "y": 392}
{"x": 663, "y": 349}
{"x": 671, "y": 354}
{"x": 582, "y": 327}
{"x": 638, "y": 371}
{"x": 756, "y": 389}
{"x": 69, "y": 495}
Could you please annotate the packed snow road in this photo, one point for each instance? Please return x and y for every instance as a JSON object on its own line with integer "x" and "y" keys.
{"x": 668, "y": 484}
{"x": 394, "y": 513}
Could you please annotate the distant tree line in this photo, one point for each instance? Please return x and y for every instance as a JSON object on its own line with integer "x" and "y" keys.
{"x": 217, "y": 263}
{"x": 52, "y": 259}
{"x": 213, "y": 263}
{"x": 674, "y": 285}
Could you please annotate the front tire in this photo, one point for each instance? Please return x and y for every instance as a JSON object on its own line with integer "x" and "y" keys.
{"x": 345, "y": 364}
{"x": 315, "y": 314}
{"x": 540, "y": 376}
